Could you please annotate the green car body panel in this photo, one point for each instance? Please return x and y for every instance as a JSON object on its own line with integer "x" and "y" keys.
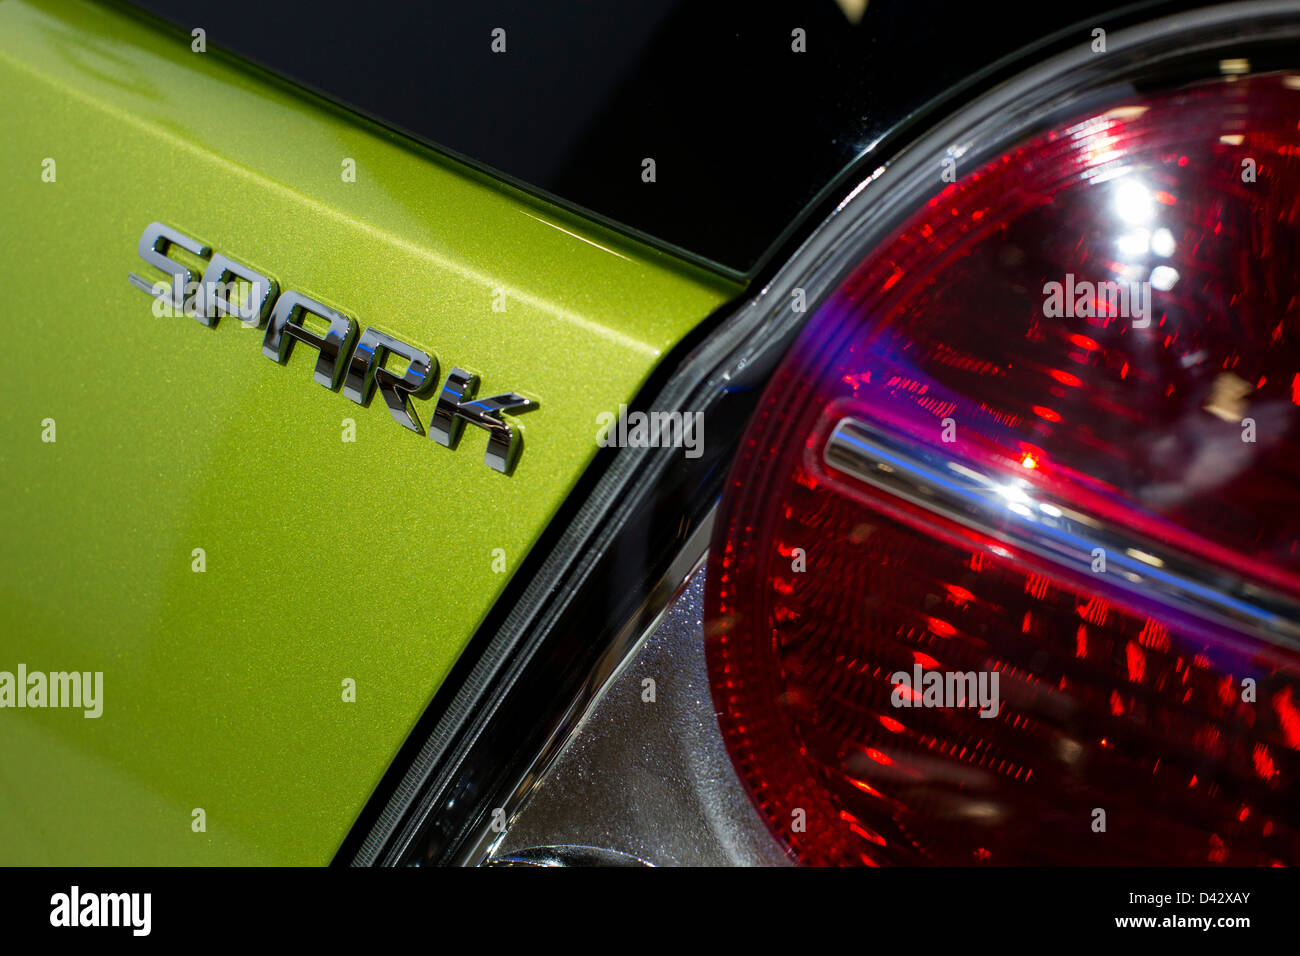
{"x": 325, "y": 560}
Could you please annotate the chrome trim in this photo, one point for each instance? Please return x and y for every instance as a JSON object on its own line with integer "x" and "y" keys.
{"x": 457, "y": 405}
{"x": 1004, "y": 505}
{"x": 359, "y": 368}
{"x": 286, "y": 327}
{"x": 154, "y": 241}
{"x": 634, "y": 763}
{"x": 567, "y": 855}
{"x": 641, "y": 624}
{"x": 211, "y": 304}
{"x": 366, "y": 372}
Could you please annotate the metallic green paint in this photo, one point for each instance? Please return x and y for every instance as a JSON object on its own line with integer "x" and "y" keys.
{"x": 325, "y": 559}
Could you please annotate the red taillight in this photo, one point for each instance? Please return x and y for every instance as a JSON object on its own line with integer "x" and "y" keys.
{"x": 959, "y": 470}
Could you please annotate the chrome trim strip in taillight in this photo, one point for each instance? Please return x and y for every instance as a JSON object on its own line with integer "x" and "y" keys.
{"x": 1009, "y": 508}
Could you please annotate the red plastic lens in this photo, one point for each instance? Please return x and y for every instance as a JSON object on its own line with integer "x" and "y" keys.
{"x": 1177, "y": 420}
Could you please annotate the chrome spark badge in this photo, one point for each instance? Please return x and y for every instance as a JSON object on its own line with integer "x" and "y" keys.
{"x": 356, "y": 363}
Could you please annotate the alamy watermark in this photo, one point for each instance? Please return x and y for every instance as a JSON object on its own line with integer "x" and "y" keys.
{"x": 238, "y": 299}
{"x": 71, "y": 689}
{"x": 75, "y": 908}
{"x": 949, "y": 689}
{"x": 652, "y": 430}
{"x": 1086, "y": 300}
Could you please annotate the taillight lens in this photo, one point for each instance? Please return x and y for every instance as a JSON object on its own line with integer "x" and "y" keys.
{"x": 978, "y": 460}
